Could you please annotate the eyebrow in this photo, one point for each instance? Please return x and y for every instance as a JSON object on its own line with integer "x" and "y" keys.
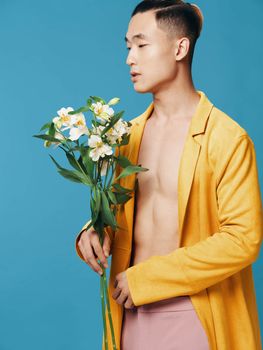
{"x": 136, "y": 36}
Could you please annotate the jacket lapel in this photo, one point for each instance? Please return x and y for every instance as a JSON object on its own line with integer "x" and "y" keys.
{"x": 190, "y": 155}
{"x": 191, "y": 151}
{"x": 133, "y": 154}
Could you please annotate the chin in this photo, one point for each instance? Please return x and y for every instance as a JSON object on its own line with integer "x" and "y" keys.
{"x": 141, "y": 89}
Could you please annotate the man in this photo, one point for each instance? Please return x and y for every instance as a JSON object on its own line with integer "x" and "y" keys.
{"x": 181, "y": 274}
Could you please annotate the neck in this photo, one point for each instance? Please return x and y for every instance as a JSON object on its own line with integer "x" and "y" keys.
{"x": 176, "y": 101}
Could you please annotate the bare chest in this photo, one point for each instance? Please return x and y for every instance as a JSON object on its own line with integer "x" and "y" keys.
{"x": 160, "y": 152}
{"x": 156, "y": 200}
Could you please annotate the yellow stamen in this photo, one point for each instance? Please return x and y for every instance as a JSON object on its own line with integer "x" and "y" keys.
{"x": 65, "y": 118}
{"x": 80, "y": 122}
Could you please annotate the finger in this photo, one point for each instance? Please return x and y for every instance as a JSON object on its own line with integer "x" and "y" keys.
{"x": 95, "y": 243}
{"x": 129, "y": 304}
{"x": 116, "y": 293}
{"x": 121, "y": 298}
{"x": 90, "y": 258}
{"x": 106, "y": 245}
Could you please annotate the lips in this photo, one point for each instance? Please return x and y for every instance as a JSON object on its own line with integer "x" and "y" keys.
{"x": 134, "y": 74}
{"x": 135, "y": 77}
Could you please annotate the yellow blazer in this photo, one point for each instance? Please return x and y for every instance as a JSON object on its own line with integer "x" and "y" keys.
{"x": 220, "y": 232}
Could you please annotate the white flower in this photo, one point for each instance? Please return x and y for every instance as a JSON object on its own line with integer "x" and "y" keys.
{"x": 100, "y": 149}
{"x": 117, "y": 131}
{"x": 79, "y": 127}
{"x": 75, "y": 122}
{"x": 122, "y": 127}
{"x": 75, "y": 133}
{"x": 97, "y": 130}
{"x": 103, "y": 112}
{"x": 107, "y": 109}
{"x": 97, "y": 107}
{"x": 58, "y": 123}
{"x": 64, "y": 119}
{"x": 80, "y": 120}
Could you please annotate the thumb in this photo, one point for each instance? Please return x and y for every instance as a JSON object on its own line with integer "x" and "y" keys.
{"x": 106, "y": 245}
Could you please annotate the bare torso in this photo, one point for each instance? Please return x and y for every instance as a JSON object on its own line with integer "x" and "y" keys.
{"x": 156, "y": 203}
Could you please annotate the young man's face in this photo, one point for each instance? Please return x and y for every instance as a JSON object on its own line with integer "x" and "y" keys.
{"x": 153, "y": 57}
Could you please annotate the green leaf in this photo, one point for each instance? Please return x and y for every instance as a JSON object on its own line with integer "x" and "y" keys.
{"x": 78, "y": 165}
{"x": 123, "y": 161}
{"x": 72, "y": 175}
{"x": 98, "y": 99}
{"x": 83, "y": 166}
{"x": 122, "y": 197}
{"x": 112, "y": 197}
{"x": 92, "y": 206}
{"x": 99, "y": 225}
{"x": 52, "y": 130}
{"x": 106, "y": 212}
{"x": 45, "y": 126}
{"x": 74, "y": 148}
{"x": 131, "y": 169}
{"x": 121, "y": 189}
{"x": 87, "y": 161}
{"x": 89, "y": 102}
{"x": 95, "y": 203}
{"x": 73, "y": 162}
{"x": 125, "y": 139}
{"x": 47, "y": 137}
{"x": 56, "y": 163}
{"x": 79, "y": 110}
{"x": 97, "y": 199}
{"x": 113, "y": 121}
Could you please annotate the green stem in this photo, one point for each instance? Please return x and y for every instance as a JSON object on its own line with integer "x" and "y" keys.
{"x": 107, "y": 170}
{"x": 109, "y": 312}
{"x": 103, "y": 280}
{"x": 99, "y": 170}
{"x": 114, "y": 165}
{"x": 113, "y": 170}
{"x": 103, "y": 311}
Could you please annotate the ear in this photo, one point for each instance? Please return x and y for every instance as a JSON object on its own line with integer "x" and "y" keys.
{"x": 181, "y": 48}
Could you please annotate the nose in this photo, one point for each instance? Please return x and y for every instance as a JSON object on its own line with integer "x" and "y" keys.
{"x": 130, "y": 58}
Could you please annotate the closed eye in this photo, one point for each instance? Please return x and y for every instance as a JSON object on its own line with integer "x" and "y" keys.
{"x": 128, "y": 48}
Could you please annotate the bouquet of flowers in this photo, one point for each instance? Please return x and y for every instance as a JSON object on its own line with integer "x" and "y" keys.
{"x": 93, "y": 163}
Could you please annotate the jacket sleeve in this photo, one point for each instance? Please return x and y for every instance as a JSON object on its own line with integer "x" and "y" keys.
{"x": 188, "y": 270}
{"x": 108, "y": 230}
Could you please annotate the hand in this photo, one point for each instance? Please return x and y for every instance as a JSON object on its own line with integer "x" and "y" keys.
{"x": 122, "y": 292}
{"x": 91, "y": 249}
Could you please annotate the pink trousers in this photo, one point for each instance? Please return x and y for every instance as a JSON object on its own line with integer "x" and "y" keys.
{"x": 170, "y": 324}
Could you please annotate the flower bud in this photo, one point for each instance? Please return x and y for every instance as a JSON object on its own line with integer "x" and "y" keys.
{"x": 47, "y": 143}
{"x": 114, "y": 101}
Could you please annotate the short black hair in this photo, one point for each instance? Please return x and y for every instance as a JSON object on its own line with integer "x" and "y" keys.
{"x": 175, "y": 17}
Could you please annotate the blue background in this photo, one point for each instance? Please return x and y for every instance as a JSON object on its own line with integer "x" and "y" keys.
{"x": 55, "y": 54}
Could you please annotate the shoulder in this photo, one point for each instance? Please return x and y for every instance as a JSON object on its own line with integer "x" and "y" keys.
{"x": 224, "y": 127}
{"x": 223, "y": 131}
{"x": 226, "y": 138}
